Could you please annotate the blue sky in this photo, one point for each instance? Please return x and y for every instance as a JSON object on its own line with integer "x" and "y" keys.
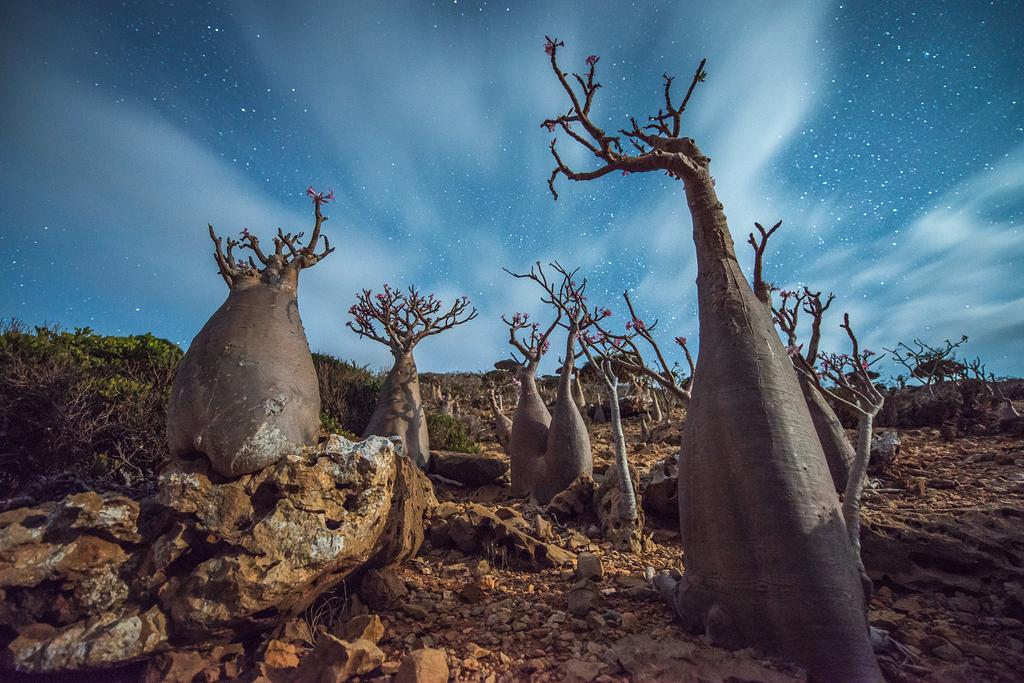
{"x": 889, "y": 137}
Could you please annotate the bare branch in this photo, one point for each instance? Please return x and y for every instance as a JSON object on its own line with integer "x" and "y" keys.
{"x": 761, "y": 289}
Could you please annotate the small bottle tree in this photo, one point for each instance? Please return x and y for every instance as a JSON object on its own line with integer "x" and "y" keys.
{"x": 567, "y": 454}
{"x": 246, "y": 392}
{"x": 400, "y": 320}
{"x": 528, "y": 438}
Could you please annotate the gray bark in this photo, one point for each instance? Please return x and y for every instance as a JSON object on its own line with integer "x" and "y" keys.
{"x": 760, "y": 521}
{"x": 838, "y": 450}
{"x": 529, "y": 437}
{"x": 399, "y": 410}
{"x": 246, "y": 392}
{"x": 619, "y": 439}
{"x": 568, "y": 454}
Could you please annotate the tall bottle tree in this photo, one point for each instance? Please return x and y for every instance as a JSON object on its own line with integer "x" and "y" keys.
{"x": 768, "y": 561}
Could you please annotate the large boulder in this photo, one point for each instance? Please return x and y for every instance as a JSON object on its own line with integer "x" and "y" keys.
{"x": 65, "y": 577}
{"x": 80, "y": 588}
{"x": 267, "y": 544}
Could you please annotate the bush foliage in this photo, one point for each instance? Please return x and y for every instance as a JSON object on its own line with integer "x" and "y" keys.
{"x": 448, "y": 433}
{"x": 81, "y": 410}
{"x": 82, "y": 406}
{"x": 348, "y": 394}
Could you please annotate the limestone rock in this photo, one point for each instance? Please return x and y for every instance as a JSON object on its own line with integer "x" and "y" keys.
{"x": 474, "y": 528}
{"x": 109, "y": 639}
{"x": 381, "y": 588}
{"x": 575, "y": 500}
{"x": 649, "y": 659}
{"x": 621, "y": 527}
{"x": 885, "y": 449}
{"x": 977, "y": 552}
{"x": 468, "y": 468}
{"x": 64, "y": 568}
{"x": 364, "y": 627}
{"x": 426, "y": 665}
{"x": 80, "y": 590}
{"x": 268, "y": 543}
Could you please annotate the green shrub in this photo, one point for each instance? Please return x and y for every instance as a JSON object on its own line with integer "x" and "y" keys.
{"x": 450, "y": 434}
{"x": 82, "y": 406}
{"x": 348, "y": 394}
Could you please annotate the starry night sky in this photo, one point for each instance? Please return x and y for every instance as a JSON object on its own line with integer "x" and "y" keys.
{"x": 889, "y": 137}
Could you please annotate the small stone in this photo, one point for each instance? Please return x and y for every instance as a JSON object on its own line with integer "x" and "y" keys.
{"x": 542, "y": 528}
{"x": 588, "y": 566}
{"x": 335, "y": 660}
{"x": 381, "y": 588}
{"x": 416, "y": 611}
{"x": 365, "y": 626}
{"x": 426, "y": 665}
{"x": 582, "y": 599}
{"x": 472, "y": 593}
{"x": 281, "y": 655}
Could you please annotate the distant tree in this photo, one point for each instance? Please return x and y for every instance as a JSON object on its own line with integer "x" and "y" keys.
{"x": 567, "y": 454}
{"x": 400, "y": 320}
{"x": 246, "y": 392}
{"x": 930, "y": 364}
{"x": 766, "y": 549}
{"x": 528, "y": 437}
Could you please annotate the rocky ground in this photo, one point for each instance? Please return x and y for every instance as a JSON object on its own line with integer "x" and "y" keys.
{"x": 502, "y": 590}
{"x": 943, "y": 524}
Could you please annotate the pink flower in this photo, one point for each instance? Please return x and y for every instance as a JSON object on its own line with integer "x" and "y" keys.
{"x": 592, "y": 60}
{"x": 319, "y": 197}
{"x": 606, "y": 312}
{"x": 245, "y": 232}
{"x": 549, "y": 48}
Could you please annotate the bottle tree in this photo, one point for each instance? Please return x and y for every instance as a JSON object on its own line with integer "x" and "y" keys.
{"x": 246, "y": 392}
{"x": 528, "y": 437}
{"x": 400, "y": 320}
{"x": 768, "y": 561}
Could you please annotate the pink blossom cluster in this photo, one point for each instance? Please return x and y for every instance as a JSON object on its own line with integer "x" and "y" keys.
{"x": 319, "y": 197}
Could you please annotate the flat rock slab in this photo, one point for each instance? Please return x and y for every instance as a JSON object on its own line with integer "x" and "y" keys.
{"x": 468, "y": 468}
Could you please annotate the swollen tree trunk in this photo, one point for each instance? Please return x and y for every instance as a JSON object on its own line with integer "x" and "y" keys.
{"x": 399, "y": 410}
{"x": 529, "y": 437}
{"x": 568, "y": 453}
{"x": 246, "y": 392}
{"x": 839, "y": 453}
{"x": 767, "y": 554}
{"x": 658, "y": 416}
